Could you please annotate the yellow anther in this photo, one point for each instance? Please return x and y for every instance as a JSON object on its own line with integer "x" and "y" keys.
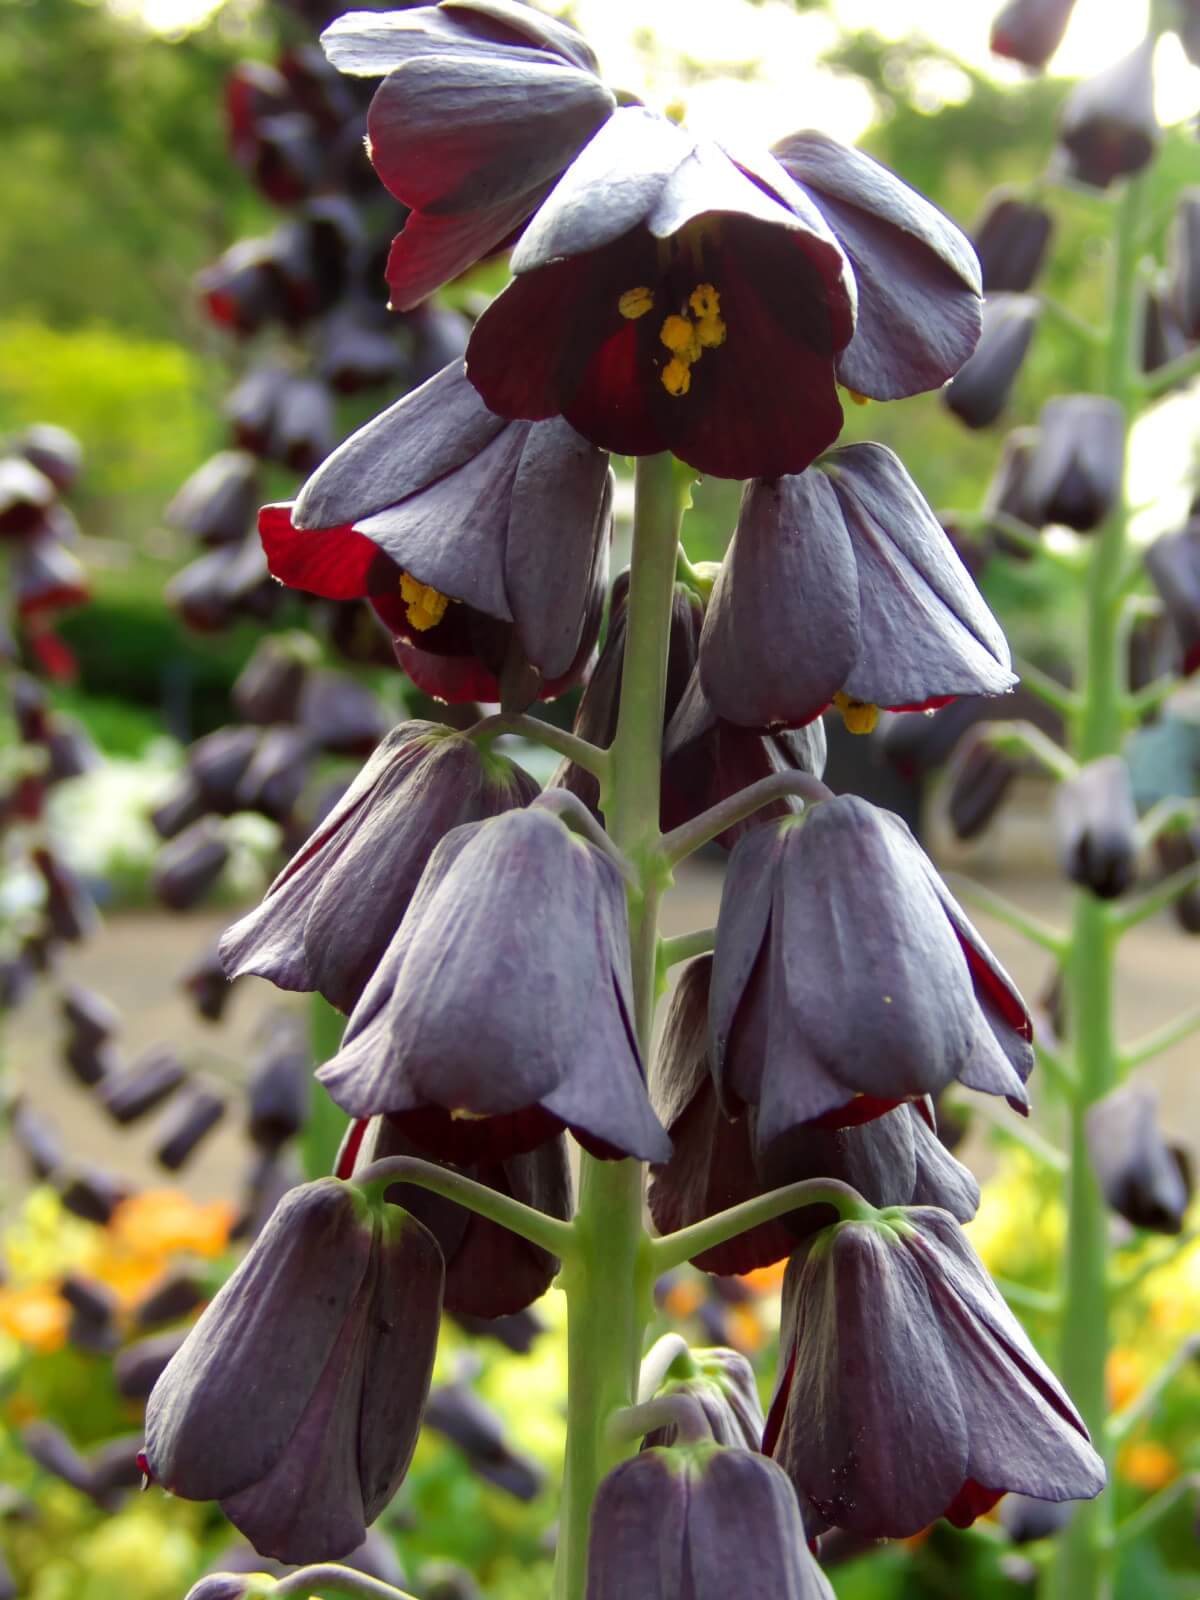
{"x": 635, "y": 303}
{"x": 859, "y": 399}
{"x": 676, "y": 111}
{"x": 710, "y": 331}
{"x": 860, "y": 716}
{"x": 676, "y": 377}
{"x": 426, "y": 605}
{"x": 705, "y": 301}
{"x": 679, "y": 336}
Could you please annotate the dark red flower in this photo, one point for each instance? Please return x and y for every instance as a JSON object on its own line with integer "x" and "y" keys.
{"x": 664, "y": 300}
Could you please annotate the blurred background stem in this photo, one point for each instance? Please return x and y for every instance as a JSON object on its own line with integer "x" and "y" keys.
{"x": 608, "y": 1285}
{"x": 1083, "y": 1567}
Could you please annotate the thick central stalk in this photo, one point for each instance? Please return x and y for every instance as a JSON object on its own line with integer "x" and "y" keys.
{"x": 1083, "y": 1568}
{"x": 608, "y": 1282}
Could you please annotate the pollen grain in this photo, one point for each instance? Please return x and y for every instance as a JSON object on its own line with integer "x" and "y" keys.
{"x": 426, "y": 605}
{"x": 635, "y": 303}
{"x": 860, "y": 716}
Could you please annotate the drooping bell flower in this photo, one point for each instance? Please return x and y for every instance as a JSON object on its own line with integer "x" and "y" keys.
{"x": 717, "y": 1162}
{"x": 1176, "y": 851}
{"x": 977, "y": 781}
{"x": 1011, "y": 239}
{"x": 1188, "y": 28}
{"x": 1095, "y": 823}
{"x": 1173, "y": 563}
{"x": 908, "y": 1390}
{"x": 1183, "y": 265}
{"x": 707, "y": 759}
{"x": 690, "y": 1521}
{"x": 979, "y": 391}
{"x": 482, "y": 544}
{"x": 490, "y": 1272}
{"x": 1030, "y": 31}
{"x": 218, "y": 502}
{"x": 189, "y": 866}
{"x": 847, "y": 979}
{"x": 186, "y": 1123}
{"x": 916, "y": 275}
{"x": 26, "y": 494}
{"x": 1008, "y": 492}
{"x": 1108, "y": 127}
{"x": 1142, "y": 1177}
{"x": 1162, "y": 339}
{"x": 144, "y": 1084}
{"x": 54, "y": 452}
{"x": 330, "y": 915}
{"x": 484, "y": 103}
{"x": 840, "y": 586}
{"x": 664, "y": 300}
{"x": 277, "y": 1089}
{"x": 1076, "y": 464}
{"x": 458, "y": 1414}
{"x": 296, "y": 1398}
{"x": 501, "y": 1010}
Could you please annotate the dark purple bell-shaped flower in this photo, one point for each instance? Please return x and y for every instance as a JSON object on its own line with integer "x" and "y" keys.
{"x": 1144, "y": 1179}
{"x": 977, "y": 780}
{"x": 54, "y": 452}
{"x": 894, "y": 1159}
{"x": 330, "y": 914}
{"x": 908, "y": 1390}
{"x": 219, "y": 501}
{"x": 458, "y": 1414}
{"x": 483, "y": 105}
{"x": 1108, "y": 127}
{"x": 502, "y": 1005}
{"x": 1173, "y": 564}
{"x": 916, "y": 275}
{"x": 144, "y": 1084}
{"x": 1074, "y": 471}
{"x": 1095, "y": 821}
{"x": 296, "y": 1398}
{"x": 1011, "y": 239}
{"x": 847, "y": 979}
{"x": 690, "y": 1521}
{"x": 980, "y": 390}
{"x": 475, "y": 539}
{"x": 722, "y": 1383}
{"x": 840, "y": 586}
{"x": 190, "y": 865}
{"x": 490, "y": 1272}
{"x": 186, "y": 1123}
{"x": 1030, "y": 31}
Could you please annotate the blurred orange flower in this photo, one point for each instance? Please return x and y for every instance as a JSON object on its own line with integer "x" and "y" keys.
{"x": 35, "y": 1316}
{"x": 1147, "y": 1465}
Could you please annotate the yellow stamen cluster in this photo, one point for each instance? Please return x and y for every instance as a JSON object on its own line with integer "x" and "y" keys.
{"x": 635, "y": 303}
{"x": 860, "y": 716}
{"x": 687, "y": 340}
{"x": 859, "y": 399}
{"x": 426, "y": 605}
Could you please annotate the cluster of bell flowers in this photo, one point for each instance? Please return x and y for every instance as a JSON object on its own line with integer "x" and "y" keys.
{"x": 475, "y": 933}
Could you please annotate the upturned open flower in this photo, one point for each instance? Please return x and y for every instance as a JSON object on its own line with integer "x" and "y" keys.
{"x": 296, "y": 1399}
{"x": 1108, "y": 127}
{"x": 687, "y": 1521}
{"x": 664, "y": 300}
{"x": 840, "y": 586}
{"x": 482, "y": 544}
{"x": 716, "y": 1162}
{"x": 847, "y": 979}
{"x": 502, "y": 1009}
{"x": 483, "y": 105}
{"x": 1030, "y": 31}
{"x": 908, "y": 1390}
{"x": 330, "y": 915}
{"x": 490, "y": 1272}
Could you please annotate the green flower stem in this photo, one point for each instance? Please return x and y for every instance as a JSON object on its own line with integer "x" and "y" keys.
{"x": 1022, "y": 738}
{"x": 1140, "y": 702}
{"x": 658, "y": 1361}
{"x": 1143, "y": 1404}
{"x": 673, "y": 1249}
{"x": 588, "y": 756}
{"x": 608, "y": 1279}
{"x": 691, "y": 836}
{"x": 1185, "y": 367}
{"x": 1039, "y": 933}
{"x": 1047, "y": 688}
{"x": 1012, "y": 1130}
{"x": 1061, "y": 1076}
{"x": 1083, "y": 1567}
{"x": 333, "y": 1582}
{"x": 678, "y": 1411}
{"x": 1153, "y": 1044}
{"x": 1164, "y": 894}
{"x": 552, "y": 1234}
{"x": 325, "y": 1125}
{"x": 684, "y": 946}
{"x": 1178, "y": 811}
{"x": 571, "y": 809}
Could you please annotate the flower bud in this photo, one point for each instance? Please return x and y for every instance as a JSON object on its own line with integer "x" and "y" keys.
{"x": 980, "y": 390}
{"x": 219, "y": 501}
{"x": 1074, "y": 472}
{"x": 1107, "y": 126}
{"x": 189, "y": 866}
{"x": 1143, "y": 1179}
{"x": 1030, "y": 31}
{"x": 269, "y": 686}
{"x": 296, "y": 1398}
{"x": 1096, "y": 826}
{"x": 686, "y": 1521}
{"x": 186, "y": 1123}
{"x": 1011, "y": 240}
